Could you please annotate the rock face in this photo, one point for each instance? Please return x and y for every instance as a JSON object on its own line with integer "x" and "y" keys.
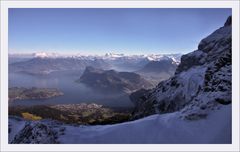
{"x": 113, "y": 81}
{"x": 201, "y": 82}
{"x": 35, "y": 133}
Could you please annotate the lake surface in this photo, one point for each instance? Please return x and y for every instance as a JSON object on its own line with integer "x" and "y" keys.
{"x": 73, "y": 92}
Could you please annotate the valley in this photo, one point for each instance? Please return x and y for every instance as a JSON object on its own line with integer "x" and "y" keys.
{"x": 78, "y": 114}
{"x": 115, "y": 98}
{"x": 91, "y": 93}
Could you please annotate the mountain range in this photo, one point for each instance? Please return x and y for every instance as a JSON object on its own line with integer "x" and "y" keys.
{"x": 45, "y": 63}
{"x": 191, "y": 107}
{"x": 202, "y": 81}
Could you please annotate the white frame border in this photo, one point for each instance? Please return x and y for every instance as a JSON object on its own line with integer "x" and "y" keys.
{"x": 119, "y": 4}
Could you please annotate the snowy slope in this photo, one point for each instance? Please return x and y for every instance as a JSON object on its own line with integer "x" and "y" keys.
{"x": 161, "y": 129}
{"x": 14, "y": 126}
{"x": 193, "y": 106}
{"x": 166, "y": 128}
{"x": 201, "y": 82}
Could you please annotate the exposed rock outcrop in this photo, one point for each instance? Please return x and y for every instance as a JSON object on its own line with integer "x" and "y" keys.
{"x": 202, "y": 80}
{"x": 35, "y": 133}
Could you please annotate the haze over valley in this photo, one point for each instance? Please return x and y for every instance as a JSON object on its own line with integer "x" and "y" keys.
{"x": 138, "y": 94}
{"x": 72, "y": 74}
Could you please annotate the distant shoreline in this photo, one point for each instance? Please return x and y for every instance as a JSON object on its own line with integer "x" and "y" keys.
{"x": 21, "y": 93}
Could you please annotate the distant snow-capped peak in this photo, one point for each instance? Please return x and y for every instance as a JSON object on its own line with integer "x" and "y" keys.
{"x": 150, "y": 57}
{"x": 107, "y": 56}
{"x": 45, "y": 55}
{"x": 114, "y": 55}
{"x": 156, "y": 57}
{"x": 159, "y": 57}
{"x": 40, "y": 54}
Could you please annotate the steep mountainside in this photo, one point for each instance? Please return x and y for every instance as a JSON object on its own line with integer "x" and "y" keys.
{"x": 155, "y": 129}
{"x": 202, "y": 81}
{"x": 198, "y": 97}
{"x": 110, "y": 80}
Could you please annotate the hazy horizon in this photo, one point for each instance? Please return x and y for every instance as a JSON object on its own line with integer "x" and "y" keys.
{"x": 102, "y": 30}
{"x": 88, "y": 54}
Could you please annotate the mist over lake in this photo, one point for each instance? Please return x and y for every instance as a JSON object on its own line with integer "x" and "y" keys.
{"x": 73, "y": 92}
{"x": 166, "y": 80}
{"x": 108, "y": 80}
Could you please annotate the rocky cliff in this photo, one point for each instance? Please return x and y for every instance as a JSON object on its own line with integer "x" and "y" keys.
{"x": 202, "y": 81}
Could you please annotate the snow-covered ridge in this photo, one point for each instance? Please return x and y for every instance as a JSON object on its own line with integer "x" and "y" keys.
{"x": 107, "y": 56}
{"x": 192, "y": 107}
{"x": 202, "y": 81}
{"x": 45, "y": 55}
{"x": 46, "y": 63}
{"x": 155, "y": 129}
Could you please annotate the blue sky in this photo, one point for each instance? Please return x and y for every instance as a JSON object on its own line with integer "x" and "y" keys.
{"x": 97, "y": 31}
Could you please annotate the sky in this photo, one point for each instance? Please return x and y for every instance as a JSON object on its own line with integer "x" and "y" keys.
{"x": 102, "y": 30}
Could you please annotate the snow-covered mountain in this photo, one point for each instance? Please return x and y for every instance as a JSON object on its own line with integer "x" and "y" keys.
{"x": 113, "y": 55}
{"x": 46, "y": 55}
{"x": 110, "y": 56}
{"x": 155, "y": 129}
{"x": 202, "y": 81}
{"x": 192, "y": 107}
{"x": 45, "y": 63}
{"x": 150, "y": 57}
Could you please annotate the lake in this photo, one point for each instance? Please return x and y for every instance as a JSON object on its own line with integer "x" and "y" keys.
{"x": 73, "y": 92}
